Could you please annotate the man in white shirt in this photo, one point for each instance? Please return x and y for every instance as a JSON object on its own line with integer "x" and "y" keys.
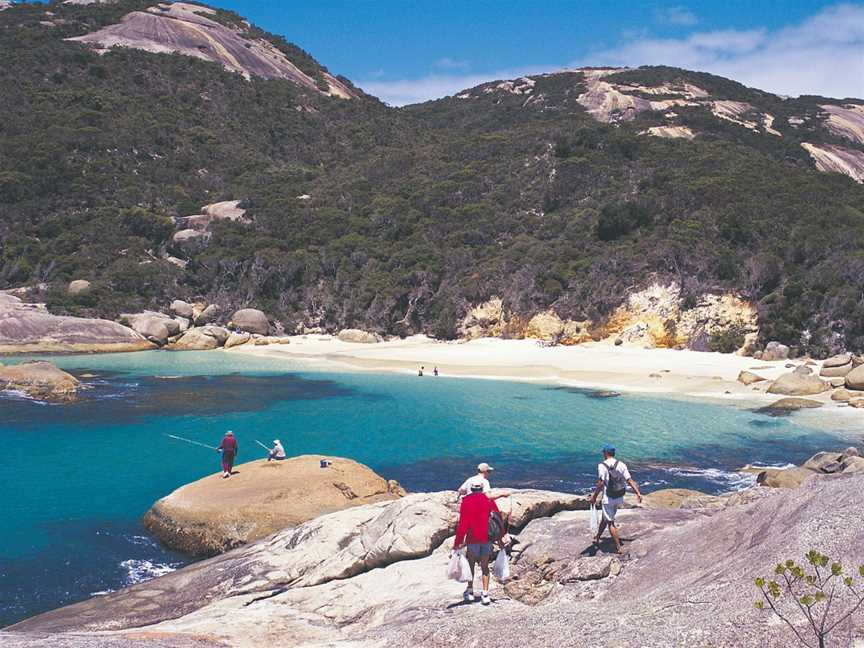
{"x": 612, "y": 480}
{"x": 277, "y": 452}
{"x": 481, "y": 479}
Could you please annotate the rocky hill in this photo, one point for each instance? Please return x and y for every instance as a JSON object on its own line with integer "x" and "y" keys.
{"x": 167, "y": 152}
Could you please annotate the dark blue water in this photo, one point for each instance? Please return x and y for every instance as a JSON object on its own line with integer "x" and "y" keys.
{"x": 79, "y": 477}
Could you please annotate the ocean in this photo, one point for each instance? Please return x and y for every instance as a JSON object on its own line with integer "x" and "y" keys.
{"x": 78, "y": 477}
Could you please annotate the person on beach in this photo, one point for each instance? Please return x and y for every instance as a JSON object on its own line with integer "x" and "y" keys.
{"x": 228, "y": 448}
{"x": 613, "y": 477}
{"x": 481, "y": 479}
{"x": 277, "y": 452}
{"x": 473, "y": 530}
{"x": 420, "y": 372}
{"x": 435, "y": 371}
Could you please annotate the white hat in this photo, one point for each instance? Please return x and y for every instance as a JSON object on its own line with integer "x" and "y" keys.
{"x": 484, "y": 467}
{"x": 276, "y": 441}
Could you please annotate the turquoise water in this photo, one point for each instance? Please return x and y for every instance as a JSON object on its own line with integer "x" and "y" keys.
{"x": 80, "y": 476}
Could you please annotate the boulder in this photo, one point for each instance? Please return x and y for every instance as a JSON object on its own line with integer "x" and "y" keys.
{"x": 181, "y": 309}
{"x": 78, "y": 287}
{"x": 794, "y": 384}
{"x": 836, "y": 382}
{"x": 824, "y": 462}
{"x": 195, "y": 339}
{"x": 853, "y": 464}
{"x": 775, "y": 351}
{"x": 838, "y": 360}
{"x": 802, "y": 370}
{"x": 207, "y": 315}
{"x": 183, "y": 324}
{"x": 250, "y": 320}
{"x": 675, "y": 498}
{"x": 784, "y": 477}
{"x": 30, "y": 328}
{"x": 152, "y": 326}
{"x": 219, "y": 333}
{"x": 836, "y": 371}
{"x": 545, "y": 326}
{"x": 855, "y": 378}
{"x": 748, "y": 377}
{"x": 792, "y": 404}
{"x": 213, "y": 515}
{"x": 841, "y": 395}
{"x": 236, "y": 339}
{"x": 40, "y": 380}
{"x": 358, "y": 336}
{"x": 857, "y": 403}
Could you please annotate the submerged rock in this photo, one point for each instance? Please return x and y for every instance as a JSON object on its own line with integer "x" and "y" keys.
{"x": 40, "y": 380}
{"x": 213, "y": 515}
{"x": 786, "y": 405}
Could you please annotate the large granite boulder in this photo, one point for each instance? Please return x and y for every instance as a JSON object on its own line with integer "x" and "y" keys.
{"x": 78, "y": 287}
{"x": 156, "y": 327}
{"x": 181, "y": 309}
{"x": 219, "y": 333}
{"x": 206, "y": 315}
{"x": 237, "y": 339}
{"x": 748, "y": 378}
{"x": 784, "y": 477}
{"x": 855, "y": 378}
{"x": 213, "y": 515}
{"x": 195, "y": 339}
{"x": 786, "y": 405}
{"x": 30, "y": 328}
{"x": 40, "y": 380}
{"x": 796, "y": 384}
{"x": 775, "y": 351}
{"x": 837, "y": 366}
{"x": 250, "y": 320}
{"x": 358, "y": 336}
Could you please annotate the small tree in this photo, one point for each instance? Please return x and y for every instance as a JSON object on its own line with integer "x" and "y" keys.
{"x": 824, "y": 595}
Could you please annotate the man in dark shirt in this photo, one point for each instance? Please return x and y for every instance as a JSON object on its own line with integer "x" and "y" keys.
{"x": 228, "y": 448}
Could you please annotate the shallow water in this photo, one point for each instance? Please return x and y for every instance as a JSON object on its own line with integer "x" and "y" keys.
{"x": 80, "y": 476}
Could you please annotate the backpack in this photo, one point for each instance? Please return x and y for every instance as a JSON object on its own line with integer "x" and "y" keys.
{"x": 496, "y": 527}
{"x": 616, "y": 485}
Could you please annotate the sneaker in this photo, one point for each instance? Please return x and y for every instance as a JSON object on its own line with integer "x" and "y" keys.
{"x": 484, "y": 598}
{"x": 468, "y": 595}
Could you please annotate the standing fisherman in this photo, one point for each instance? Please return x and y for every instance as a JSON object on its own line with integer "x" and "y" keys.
{"x": 228, "y": 448}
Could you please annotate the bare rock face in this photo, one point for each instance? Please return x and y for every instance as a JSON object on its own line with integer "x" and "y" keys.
{"x": 250, "y": 320}
{"x": 545, "y": 326}
{"x": 213, "y": 515}
{"x": 358, "y": 336}
{"x": 78, "y": 287}
{"x": 831, "y": 158}
{"x": 796, "y": 384}
{"x": 40, "y": 380}
{"x": 186, "y": 29}
{"x": 30, "y": 328}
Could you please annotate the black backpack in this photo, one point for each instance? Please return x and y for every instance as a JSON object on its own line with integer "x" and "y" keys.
{"x": 496, "y": 526}
{"x": 616, "y": 485}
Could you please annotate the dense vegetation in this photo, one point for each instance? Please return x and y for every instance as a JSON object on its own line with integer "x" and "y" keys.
{"x": 413, "y": 214}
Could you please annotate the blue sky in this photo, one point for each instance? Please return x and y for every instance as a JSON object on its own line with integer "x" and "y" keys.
{"x": 412, "y": 50}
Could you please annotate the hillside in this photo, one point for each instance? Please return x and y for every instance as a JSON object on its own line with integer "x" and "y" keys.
{"x": 560, "y": 193}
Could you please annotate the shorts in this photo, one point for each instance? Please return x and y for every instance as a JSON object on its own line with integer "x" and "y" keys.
{"x": 610, "y": 509}
{"x": 480, "y": 550}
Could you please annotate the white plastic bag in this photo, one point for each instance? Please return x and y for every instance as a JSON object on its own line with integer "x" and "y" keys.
{"x": 501, "y": 568}
{"x": 595, "y": 519}
{"x": 458, "y": 569}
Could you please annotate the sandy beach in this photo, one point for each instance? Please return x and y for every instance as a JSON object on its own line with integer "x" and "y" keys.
{"x": 595, "y": 365}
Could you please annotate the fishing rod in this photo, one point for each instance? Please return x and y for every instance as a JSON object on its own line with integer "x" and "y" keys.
{"x": 203, "y": 445}
{"x": 262, "y": 445}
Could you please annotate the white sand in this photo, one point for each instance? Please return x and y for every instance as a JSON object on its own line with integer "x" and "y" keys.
{"x": 600, "y": 365}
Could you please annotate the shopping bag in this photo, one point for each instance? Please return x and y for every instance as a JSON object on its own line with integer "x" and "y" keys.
{"x": 467, "y": 576}
{"x": 501, "y": 568}
{"x": 595, "y": 519}
{"x": 454, "y": 568}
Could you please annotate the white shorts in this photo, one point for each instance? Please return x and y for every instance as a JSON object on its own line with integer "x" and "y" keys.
{"x": 610, "y": 509}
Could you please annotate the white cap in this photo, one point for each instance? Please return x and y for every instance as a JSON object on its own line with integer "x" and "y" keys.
{"x": 275, "y": 440}
{"x": 484, "y": 467}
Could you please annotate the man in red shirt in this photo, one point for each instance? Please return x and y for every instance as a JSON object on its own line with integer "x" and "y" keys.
{"x": 228, "y": 448}
{"x": 473, "y": 530}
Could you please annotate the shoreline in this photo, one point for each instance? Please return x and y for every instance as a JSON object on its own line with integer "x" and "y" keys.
{"x": 666, "y": 373}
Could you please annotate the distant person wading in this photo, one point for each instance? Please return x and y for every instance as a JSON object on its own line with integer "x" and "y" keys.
{"x": 228, "y": 448}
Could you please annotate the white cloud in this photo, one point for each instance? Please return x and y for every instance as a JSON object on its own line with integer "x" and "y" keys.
{"x": 822, "y": 55}
{"x": 680, "y": 16}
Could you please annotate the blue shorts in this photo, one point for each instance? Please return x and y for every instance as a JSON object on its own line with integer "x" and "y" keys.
{"x": 480, "y": 550}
